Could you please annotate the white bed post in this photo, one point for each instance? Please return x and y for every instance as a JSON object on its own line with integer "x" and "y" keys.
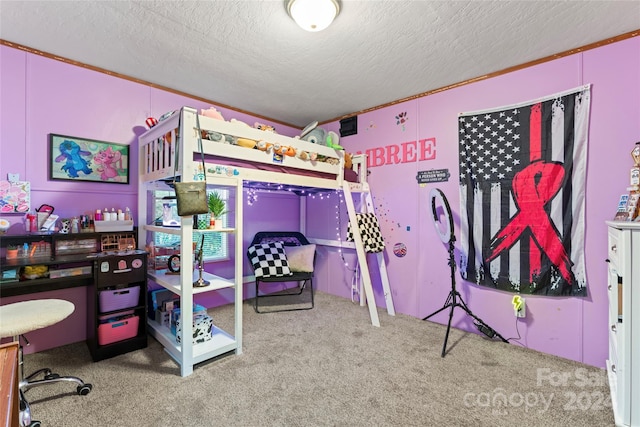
{"x": 238, "y": 288}
{"x": 303, "y": 215}
{"x": 186, "y": 166}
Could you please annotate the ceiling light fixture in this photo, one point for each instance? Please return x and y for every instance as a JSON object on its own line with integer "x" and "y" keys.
{"x": 313, "y": 15}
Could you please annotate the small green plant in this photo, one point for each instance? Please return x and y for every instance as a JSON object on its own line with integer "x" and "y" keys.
{"x": 217, "y": 205}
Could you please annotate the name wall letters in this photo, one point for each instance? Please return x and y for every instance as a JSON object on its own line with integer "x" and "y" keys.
{"x": 406, "y": 152}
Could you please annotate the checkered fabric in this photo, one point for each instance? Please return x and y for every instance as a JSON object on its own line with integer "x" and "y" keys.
{"x": 369, "y": 231}
{"x": 269, "y": 260}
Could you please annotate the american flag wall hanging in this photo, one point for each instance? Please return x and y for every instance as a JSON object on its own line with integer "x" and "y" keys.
{"x": 522, "y": 189}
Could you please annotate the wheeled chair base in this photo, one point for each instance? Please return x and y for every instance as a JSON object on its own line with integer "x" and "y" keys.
{"x": 48, "y": 377}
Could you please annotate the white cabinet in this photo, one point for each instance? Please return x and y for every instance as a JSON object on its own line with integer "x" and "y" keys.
{"x": 623, "y": 365}
{"x": 188, "y": 354}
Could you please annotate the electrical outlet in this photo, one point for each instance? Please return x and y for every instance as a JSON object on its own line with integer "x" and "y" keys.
{"x": 520, "y": 309}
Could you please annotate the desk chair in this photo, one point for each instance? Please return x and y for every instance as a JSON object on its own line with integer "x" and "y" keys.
{"x": 20, "y": 318}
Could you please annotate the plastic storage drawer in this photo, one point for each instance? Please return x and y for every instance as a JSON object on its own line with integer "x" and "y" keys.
{"x": 118, "y": 299}
{"x": 118, "y": 330}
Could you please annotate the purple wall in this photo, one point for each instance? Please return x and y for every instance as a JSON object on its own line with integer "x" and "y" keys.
{"x": 40, "y": 96}
{"x": 570, "y": 327}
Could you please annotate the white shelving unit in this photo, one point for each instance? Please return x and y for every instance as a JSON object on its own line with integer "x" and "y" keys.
{"x": 187, "y": 354}
{"x": 623, "y": 365}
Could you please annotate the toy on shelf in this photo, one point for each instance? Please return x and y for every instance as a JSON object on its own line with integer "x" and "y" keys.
{"x": 631, "y": 212}
{"x": 633, "y": 204}
{"x": 634, "y": 175}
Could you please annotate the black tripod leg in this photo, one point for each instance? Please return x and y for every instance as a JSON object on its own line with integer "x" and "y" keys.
{"x": 450, "y": 302}
{"x": 447, "y": 303}
{"x": 446, "y": 337}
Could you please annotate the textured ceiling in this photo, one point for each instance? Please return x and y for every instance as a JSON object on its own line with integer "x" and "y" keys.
{"x": 250, "y": 55}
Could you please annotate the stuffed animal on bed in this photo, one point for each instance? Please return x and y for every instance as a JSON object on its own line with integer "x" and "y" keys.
{"x": 246, "y": 142}
{"x": 316, "y": 136}
{"x": 212, "y": 112}
{"x": 262, "y": 126}
{"x": 348, "y": 162}
{"x": 332, "y": 141}
{"x": 320, "y": 136}
{"x": 264, "y": 145}
{"x": 284, "y": 150}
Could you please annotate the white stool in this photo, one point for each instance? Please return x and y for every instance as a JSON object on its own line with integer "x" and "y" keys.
{"x": 20, "y": 318}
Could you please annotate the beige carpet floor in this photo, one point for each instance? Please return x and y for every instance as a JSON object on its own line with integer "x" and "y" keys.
{"x": 328, "y": 367}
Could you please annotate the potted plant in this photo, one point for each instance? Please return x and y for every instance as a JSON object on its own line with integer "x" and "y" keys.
{"x": 12, "y": 251}
{"x": 217, "y": 208}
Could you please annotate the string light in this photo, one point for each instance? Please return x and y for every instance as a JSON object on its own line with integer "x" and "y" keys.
{"x": 355, "y": 280}
{"x": 252, "y": 197}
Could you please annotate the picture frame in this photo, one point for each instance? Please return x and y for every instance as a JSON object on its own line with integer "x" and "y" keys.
{"x": 81, "y": 159}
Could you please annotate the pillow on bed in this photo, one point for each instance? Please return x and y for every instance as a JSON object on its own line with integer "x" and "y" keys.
{"x": 269, "y": 260}
{"x": 300, "y": 258}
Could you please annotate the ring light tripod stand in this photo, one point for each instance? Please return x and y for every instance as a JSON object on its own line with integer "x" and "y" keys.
{"x": 454, "y": 299}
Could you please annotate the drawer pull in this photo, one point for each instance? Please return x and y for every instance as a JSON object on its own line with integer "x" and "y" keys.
{"x": 614, "y": 248}
{"x": 609, "y": 286}
{"x": 613, "y": 328}
{"x": 613, "y": 368}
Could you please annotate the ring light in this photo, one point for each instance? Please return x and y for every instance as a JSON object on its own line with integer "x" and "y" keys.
{"x": 444, "y": 226}
{"x": 443, "y": 221}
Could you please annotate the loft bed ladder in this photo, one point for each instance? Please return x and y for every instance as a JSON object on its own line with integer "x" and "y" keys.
{"x": 365, "y": 276}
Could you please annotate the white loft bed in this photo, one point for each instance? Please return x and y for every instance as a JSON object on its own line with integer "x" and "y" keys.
{"x": 239, "y": 166}
{"x": 250, "y": 165}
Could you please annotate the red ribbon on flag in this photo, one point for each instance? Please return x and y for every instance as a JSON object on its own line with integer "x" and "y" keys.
{"x": 534, "y": 187}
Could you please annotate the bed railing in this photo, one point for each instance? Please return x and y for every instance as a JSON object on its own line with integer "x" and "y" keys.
{"x": 359, "y": 162}
{"x": 158, "y": 147}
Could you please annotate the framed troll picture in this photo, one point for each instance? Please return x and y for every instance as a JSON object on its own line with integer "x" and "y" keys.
{"x": 81, "y": 159}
